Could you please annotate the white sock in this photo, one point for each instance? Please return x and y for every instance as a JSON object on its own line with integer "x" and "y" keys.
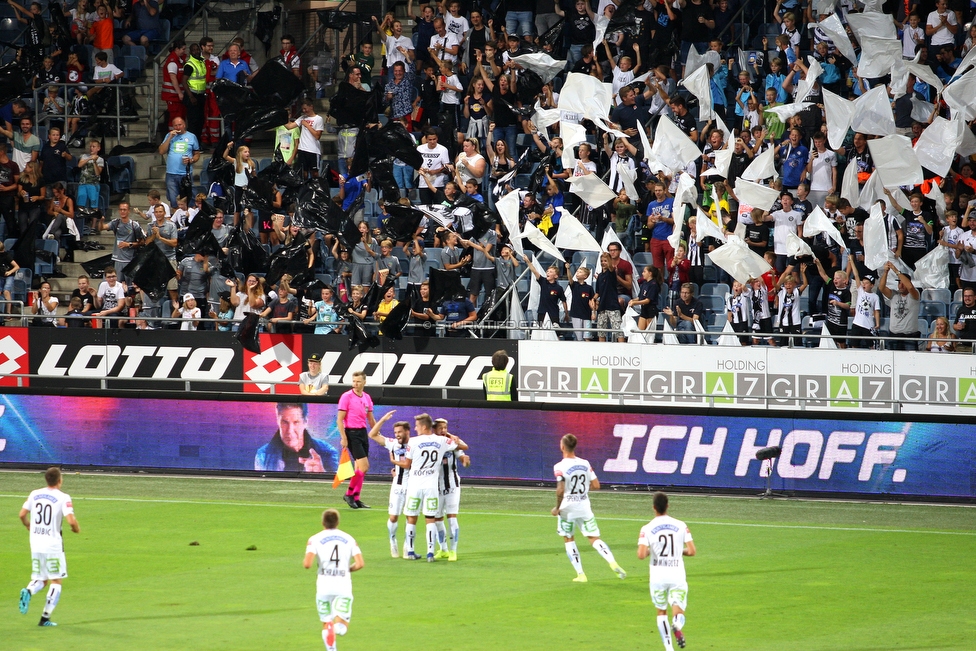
{"x": 53, "y": 596}
{"x": 431, "y": 537}
{"x": 441, "y": 534}
{"x": 679, "y": 621}
{"x": 325, "y": 639}
{"x": 34, "y": 587}
{"x": 604, "y": 551}
{"x": 392, "y": 528}
{"x": 340, "y": 628}
{"x": 455, "y": 533}
{"x": 411, "y": 530}
{"x": 574, "y": 557}
{"x": 662, "y": 628}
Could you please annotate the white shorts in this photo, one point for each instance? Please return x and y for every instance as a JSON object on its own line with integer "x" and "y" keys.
{"x": 450, "y": 501}
{"x": 581, "y": 519}
{"x": 426, "y": 500}
{"x": 398, "y": 497}
{"x": 675, "y": 594}
{"x": 48, "y": 566}
{"x": 331, "y": 606}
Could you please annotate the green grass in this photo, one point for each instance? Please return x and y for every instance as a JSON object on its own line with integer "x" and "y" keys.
{"x": 783, "y": 575}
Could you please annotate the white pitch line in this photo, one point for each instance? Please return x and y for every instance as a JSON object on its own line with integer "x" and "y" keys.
{"x": 526, "y": 515}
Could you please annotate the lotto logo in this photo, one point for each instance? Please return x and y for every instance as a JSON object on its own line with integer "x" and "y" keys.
{"x": 278, "y": 361}
{"x": 14, "y": 359}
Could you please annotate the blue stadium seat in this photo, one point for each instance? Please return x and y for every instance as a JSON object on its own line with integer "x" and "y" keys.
{"x": 643, "y": 259}
{"x": 942, "y": 295}
{"x": 715, "y": 289}
{"x": 42, "y": 267}
{"x": 131, "y": 67}
{"x": 932, "y": 309}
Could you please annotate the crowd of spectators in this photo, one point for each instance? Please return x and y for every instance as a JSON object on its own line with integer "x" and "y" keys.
{"x": 457, "y": 84}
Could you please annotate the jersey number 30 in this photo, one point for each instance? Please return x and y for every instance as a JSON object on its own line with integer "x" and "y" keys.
{"x": 43, "y": 515}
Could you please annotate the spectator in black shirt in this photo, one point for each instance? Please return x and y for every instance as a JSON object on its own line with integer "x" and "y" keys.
{"x": 551, "y": 295}
{"x": 684, "y": 119}
{"x": 54, "y": 158}
{"x": 965, "y": 321}
{"x": 697, "y": 23}
{"x": 686, "y": 310}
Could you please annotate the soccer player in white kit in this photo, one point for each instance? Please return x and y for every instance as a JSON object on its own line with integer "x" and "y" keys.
{"x": 425, "y": 453}
{"x": 574, "y": 480}
{"x": 397, "y": 447}
{"x": 667, "y": 541}
{"x": 450, "y": 483}
{"x": 338, "y": 556}
{"x": 42, "y": 514}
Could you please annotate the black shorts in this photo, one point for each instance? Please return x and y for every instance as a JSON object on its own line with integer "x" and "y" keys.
{"x": 358, "y": 442}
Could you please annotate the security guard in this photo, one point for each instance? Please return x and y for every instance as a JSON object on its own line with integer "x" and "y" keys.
{"x": 498, "y": 383}
{"x": 195, "y": 84}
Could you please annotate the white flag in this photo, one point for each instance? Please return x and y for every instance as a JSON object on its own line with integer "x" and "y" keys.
{"x": 755, "y": 195}
{"x": 818, "y": 222}
{"x": 508, "y": 210}
{"x": 573, "y": 235}
{"x": 762, "y": 166}
{"x": 534, "y": 235}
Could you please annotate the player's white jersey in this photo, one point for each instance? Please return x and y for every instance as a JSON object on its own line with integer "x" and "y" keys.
{"x": 666, "y": 538}
{"x": 450, "y": 479}
{"x": 398, "y": 451}
{"x": 335, "y": 550}
{"x": 576, "y": 474}
{"x": 47, "y": 507}
{"x": 427, "y": 452}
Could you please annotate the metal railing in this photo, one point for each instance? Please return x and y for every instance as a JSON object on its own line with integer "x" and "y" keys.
{"x": 783, "y": 340}
{"x": 623, "y": 398}
{"x": 41, "y": 117}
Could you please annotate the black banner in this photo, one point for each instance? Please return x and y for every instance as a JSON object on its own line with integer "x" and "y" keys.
{"x": 175, "y": 360}
{"x": 168, "y": 360}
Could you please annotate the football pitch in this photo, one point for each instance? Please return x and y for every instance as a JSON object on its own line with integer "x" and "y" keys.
{"x": 786, "y": 575}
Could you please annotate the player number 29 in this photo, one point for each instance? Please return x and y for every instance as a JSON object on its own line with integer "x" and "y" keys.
{"x": 43, "y": 515}
{"x": 667, "y": 544}
{"x": 428, "y": 459}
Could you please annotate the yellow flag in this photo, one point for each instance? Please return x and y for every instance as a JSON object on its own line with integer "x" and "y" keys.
{"x": 346, "y": 469}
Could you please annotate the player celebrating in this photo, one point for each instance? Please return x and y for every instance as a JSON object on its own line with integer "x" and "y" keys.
{"x": 333, "y": 548}
{"x": 425, "y": 452}
{"x": 355, "y": 415}
{"x": 574, "y": 479}
{"x": 667, "y": 541}
{"x": 398, "y": 489}
{"x": 450, "y": 484}
{"x": 42, "y": 514}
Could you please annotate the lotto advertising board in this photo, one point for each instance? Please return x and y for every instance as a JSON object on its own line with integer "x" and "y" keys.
{"x": 861, "y": 457}
{"x": 748, "y": 378}
{"x": 175, "y": 360}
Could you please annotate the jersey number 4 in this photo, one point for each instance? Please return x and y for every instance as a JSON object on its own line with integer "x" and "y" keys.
{"x": 334, "y": 556}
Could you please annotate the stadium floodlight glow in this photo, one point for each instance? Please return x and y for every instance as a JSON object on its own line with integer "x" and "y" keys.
{"x": 766, "y": 456}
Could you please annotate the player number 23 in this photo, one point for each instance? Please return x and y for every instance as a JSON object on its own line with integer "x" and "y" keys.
{"x": 577, "y": 485}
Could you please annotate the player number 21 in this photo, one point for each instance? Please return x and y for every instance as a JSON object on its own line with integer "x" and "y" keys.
{"x": 667, "y": 544}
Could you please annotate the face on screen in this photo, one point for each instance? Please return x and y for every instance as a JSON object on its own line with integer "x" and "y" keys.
{"x": 291, "y": 424}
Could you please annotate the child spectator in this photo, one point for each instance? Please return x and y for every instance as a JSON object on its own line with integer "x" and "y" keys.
{"x": 89, "y": 183}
